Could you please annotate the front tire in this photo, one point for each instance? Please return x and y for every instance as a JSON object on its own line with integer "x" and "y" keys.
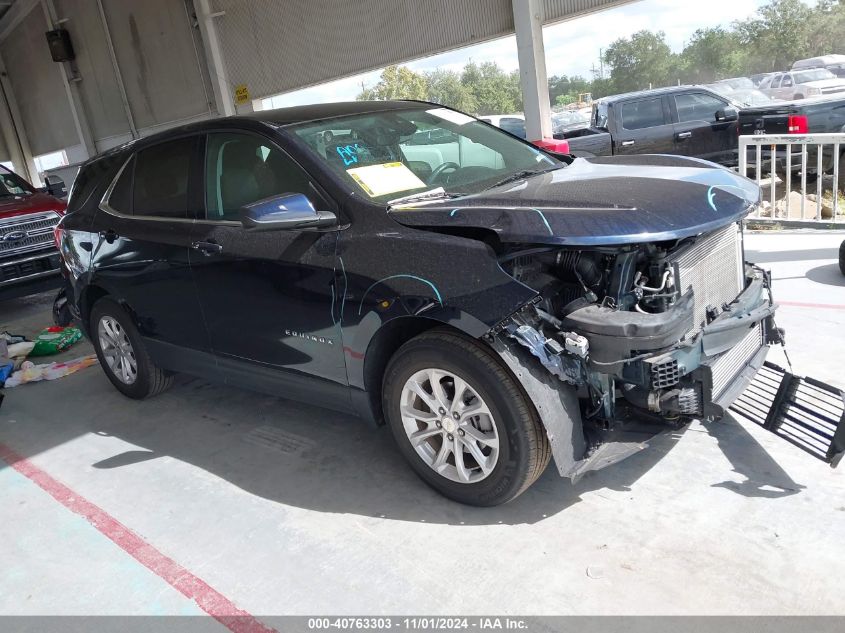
{"x": 122, "y": 354}
{"x": 842, "y": 258}
{"x": 462, "y": 421}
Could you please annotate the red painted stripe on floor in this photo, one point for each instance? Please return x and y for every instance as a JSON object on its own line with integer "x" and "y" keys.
{"x": 207, "y": 598}
{"x": 800, "y": 304}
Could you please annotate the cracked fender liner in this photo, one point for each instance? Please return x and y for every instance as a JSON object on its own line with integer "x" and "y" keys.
{"x": 556, "y": 403}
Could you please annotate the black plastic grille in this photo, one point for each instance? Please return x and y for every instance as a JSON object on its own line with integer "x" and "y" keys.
{"x": 9, "y": 272}
{"x": 803, "y": 411}
{"x": 665, "y": 374}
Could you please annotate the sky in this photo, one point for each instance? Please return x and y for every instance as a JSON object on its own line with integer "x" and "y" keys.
{"x": 572, "y": 47}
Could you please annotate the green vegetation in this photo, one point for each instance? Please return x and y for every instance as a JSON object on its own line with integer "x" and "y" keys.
{"x": 781, "y": 32}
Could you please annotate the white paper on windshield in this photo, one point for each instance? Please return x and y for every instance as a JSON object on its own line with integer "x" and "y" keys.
{"x": 378, "y": 180}
{"x": 458, "y": 118}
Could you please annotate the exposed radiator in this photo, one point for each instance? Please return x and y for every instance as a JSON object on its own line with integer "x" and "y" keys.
{"x": 729, "y": 364}
{"x": 713, "y": 267}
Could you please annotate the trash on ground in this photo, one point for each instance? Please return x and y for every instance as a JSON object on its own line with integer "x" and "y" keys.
{"x": 54, "y": 340}
{"x": 13, "y": 338}
{"x": 30, "y": 372}
{"x": 17, "y": 350}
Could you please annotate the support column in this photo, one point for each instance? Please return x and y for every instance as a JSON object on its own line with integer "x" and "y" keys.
{"x": 214, "y": 57}
{"x": 528, "y": 22}
{"x": 11, "y": 126}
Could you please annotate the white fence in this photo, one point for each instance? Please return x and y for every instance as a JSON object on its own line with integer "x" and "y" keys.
{"x": 784, "y": 165}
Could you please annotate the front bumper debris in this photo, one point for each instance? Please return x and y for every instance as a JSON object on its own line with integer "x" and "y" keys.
{"x": 805, "y": 412}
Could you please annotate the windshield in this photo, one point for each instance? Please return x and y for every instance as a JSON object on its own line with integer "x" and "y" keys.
{"x": 393, "y": 154}
{"x": 813, "y": 75}
{"x": 13, "y": 185}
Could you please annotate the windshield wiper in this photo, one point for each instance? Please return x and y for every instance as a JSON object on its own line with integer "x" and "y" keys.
{"x": 431, "y": 194}
{"x": 521, "y": 175}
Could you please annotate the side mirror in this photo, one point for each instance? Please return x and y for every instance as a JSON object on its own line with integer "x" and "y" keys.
{"x": 284, "y": 212}
{"x": 55, "y": 186}
{"x": 727, "y": 114}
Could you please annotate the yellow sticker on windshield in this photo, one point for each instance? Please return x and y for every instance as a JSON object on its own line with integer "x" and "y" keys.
{"x": 379, "y": 180}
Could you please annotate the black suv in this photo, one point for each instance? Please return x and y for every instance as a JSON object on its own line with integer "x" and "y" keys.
{"x": 497, "y": 305}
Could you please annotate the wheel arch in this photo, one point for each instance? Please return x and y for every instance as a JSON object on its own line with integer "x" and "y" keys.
{"x": 381, "y": 348}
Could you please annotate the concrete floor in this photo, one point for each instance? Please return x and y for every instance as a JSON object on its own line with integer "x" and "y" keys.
{"x": 287, "y": 509}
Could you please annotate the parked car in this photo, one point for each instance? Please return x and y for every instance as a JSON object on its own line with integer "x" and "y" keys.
{"x": 685, "y": 120}
{"x": 495, "y": 305}
{"x": 833, "y": 63}
{"x": 731, "y": 84}
{"x": 800, "y": 84}
{"x": 29, "y": 261}
{"x": 744, "y": 97}
{"x": 570, "y": 120}
{"x": 810, "y": 116}
{"x": 758, "y": 78}
{"x": 842, "y": 257}
{"x": 513, "y": 123}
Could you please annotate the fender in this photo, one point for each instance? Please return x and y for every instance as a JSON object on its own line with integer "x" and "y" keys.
{"x": 556, "y": 404}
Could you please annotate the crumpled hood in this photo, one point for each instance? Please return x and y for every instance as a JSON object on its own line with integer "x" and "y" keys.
{"x": 602, "y": 200}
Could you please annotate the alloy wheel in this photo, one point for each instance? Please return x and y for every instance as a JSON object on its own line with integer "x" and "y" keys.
{"x": 117, "y": 350}
{"x": 449, "y": 425}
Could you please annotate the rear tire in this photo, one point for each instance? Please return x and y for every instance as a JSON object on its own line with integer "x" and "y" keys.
{"x": 511, "y": 463}
{"x": 122, "y": 354}
{"x": 842, "y": 257}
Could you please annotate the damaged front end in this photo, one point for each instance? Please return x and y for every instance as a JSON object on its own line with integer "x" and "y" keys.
{"x": 624, "y": 342}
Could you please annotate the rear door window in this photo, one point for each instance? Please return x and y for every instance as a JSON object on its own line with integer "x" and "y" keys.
{"x": 162, "y": 173}
{"x": 643, "y": 113}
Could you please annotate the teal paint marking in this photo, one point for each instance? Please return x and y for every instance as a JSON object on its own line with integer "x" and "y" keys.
{"x": 545, "y": 221}
{"x": 454, "y": 211}
{"x": 711, "y": 192}
{"x": 345, "y": 286}
{"x": 425, "y": 281}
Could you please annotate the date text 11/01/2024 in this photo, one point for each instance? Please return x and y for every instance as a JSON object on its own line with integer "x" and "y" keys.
{"x": 418, "y": 623}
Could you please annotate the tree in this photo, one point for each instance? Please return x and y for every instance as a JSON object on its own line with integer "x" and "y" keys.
{"x": 445, "y": 87}
{"x": 396, "y": 82}
{"x": 493, "y": 90}
{"x": 645, "y": 60}
{"x": 712, "y": 54}
{"x": 782, "y": 32}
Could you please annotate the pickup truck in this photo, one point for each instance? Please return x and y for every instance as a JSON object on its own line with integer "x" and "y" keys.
{"x": 684, "y": 120}
{"x": 807, "y": 116}
{"x": 29, "y": 261}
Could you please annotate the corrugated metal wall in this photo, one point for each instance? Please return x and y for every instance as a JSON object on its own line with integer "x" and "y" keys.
{"x": 274, "y": 46}
{"x": 154, "y": 45}
{"x": 38, "y": 86}
{"x": 161, "y": 62}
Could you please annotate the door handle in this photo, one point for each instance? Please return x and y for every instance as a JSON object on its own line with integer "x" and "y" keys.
{"x": 207, "y": 248}
{"x": 682, "y": 135}
{"x": 109, "y": 235}
{"x": 627, "y": 143}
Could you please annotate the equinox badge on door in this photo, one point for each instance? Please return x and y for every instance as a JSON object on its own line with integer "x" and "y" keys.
{"x": 316, "y": 339}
